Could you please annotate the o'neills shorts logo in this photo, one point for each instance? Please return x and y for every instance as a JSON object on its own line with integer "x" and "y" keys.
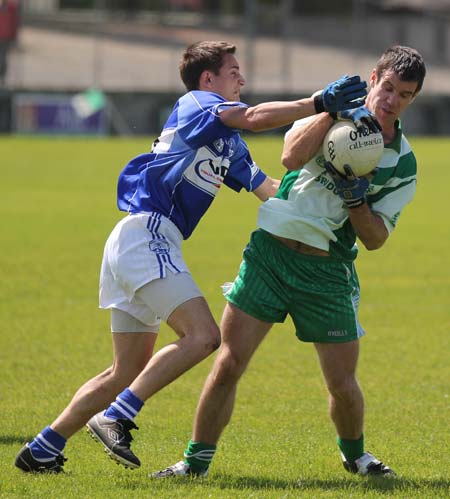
{"x": 338, "y": 333}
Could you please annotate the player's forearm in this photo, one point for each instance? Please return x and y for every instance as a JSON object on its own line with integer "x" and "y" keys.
{"x": 368, "y": 226}
{"x": 267, "y": 189}
{"x": 302, "y": 143}
{"x": 269, "y": 115}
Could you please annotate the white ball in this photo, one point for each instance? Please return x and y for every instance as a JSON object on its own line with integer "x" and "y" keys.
{"x": 345, "y": 145}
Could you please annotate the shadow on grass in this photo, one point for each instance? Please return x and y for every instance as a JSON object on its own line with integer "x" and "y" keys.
{"x": 379, "y": 484}
{"x": 14, "y": 439}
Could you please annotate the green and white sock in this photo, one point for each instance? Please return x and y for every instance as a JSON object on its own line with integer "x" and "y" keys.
{"x": 199, "y": 455}
{"x": 352, "y": 449}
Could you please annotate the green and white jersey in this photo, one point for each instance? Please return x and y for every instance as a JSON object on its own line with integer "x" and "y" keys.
{"x": 307, "y": 207}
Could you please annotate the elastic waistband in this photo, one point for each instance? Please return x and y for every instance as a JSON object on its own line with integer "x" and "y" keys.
{"x": 299, "y": 247}
{"x": 271, "y": 238}
{"x": 159, "y": 217}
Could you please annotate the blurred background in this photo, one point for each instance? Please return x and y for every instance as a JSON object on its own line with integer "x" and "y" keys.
{"x": 110, "y": 67}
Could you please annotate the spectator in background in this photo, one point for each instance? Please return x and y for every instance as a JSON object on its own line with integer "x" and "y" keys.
{"x": 9, "y": 26}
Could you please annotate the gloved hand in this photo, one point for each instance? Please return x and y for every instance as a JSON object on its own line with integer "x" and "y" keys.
{"x": 346, "y": 93}
{"x": 360, "y": 116}
{"x": 351, "y": 189}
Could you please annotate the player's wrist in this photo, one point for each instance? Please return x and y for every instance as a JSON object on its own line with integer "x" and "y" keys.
{"x": 318, "y": 103}
{"x": 355, "y": 203}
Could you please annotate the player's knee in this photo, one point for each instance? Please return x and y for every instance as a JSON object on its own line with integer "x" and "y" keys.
{"x": 214, "y": 339}
{"x": 123, "y": 373}
{"x": 228, "y": 367}
{"x": 344, "y": 390}
{"x": 207, "y": 338}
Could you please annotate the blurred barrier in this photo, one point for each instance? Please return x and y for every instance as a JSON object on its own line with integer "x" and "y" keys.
{"x": 54, "y": 114}
{"x": 145, "y": 113}
{"x": 285, "y": 52}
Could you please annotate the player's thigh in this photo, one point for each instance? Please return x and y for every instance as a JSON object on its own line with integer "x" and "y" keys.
{"x": 125, "y": 319}
{"x": 324, "y": 301}
{"x": 241, "y": 334}
{"x": 193, "y": 318}
{"x": 164, "y": 296}
{"x": 338, "y": 360}
{"x": 259, "y": 288}
{"x": 132, "y": 351}
{"x": 178, "y": 300}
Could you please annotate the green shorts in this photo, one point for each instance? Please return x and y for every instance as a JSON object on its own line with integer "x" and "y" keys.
{"x": 321, "y": 294}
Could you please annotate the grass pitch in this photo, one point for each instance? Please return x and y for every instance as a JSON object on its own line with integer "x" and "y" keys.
{"x": 58, "y": 207}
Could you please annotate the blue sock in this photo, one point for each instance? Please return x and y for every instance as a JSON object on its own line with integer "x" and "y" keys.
{"x": 126, "y": 406}
{"x": 47, "y": 445}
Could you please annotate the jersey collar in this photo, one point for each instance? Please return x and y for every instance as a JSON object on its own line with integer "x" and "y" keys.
{"x": 396, "y": 144}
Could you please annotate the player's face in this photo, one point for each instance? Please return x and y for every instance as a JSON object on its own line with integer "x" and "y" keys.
{"x": 389, "y": 96}
{"x": 229, "y": 81}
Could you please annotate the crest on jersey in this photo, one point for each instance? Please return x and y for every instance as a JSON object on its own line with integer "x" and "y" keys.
{"x": 231, "y": 147}
{"x": 218, "y": 144}
{"x": 320, "y": 160}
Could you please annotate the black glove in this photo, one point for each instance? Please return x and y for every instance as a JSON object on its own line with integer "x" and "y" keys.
{"x": 346, "y": 93}
{"x": 350, "y": 188}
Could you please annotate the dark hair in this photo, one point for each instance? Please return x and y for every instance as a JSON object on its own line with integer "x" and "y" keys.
{"x": 201, "y": 56}
{"x": 406, "y": 62}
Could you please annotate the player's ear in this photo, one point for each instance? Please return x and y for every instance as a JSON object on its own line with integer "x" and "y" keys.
{"x": 205, "y": 80}
{"x": 373, "y": 78}
{"x": 413, "y": 98}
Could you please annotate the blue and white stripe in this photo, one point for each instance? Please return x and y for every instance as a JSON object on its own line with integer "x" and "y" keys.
{"x": 164, "y": 259}
{"x": 124, "y": 408}
{"x": 47, "y": 447}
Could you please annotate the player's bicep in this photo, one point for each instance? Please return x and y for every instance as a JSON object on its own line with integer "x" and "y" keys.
{"x": 304, "y": 140}
{"x": 234, "y": 117}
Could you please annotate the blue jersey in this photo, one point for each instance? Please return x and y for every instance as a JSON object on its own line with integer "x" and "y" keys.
{"x": 194, "y": 155}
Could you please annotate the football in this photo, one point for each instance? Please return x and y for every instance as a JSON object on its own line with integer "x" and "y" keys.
{"x": 345, "y": 144}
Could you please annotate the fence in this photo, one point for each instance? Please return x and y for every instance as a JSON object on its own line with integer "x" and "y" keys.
{"x": 134, "y": 60}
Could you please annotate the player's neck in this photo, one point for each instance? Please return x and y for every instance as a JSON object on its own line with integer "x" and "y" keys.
{"x": 389, "y": 134}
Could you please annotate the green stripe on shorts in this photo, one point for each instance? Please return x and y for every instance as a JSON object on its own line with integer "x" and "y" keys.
{"x": 321, "y": 294}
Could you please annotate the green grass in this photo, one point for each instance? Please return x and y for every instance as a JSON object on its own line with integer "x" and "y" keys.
{"x": 58, "y": 207}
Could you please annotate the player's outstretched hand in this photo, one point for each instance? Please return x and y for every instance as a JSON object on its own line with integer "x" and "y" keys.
{"x": 348, "y": 92}
{"x": 350, "y": 188}
{"x": 361, "y": 117}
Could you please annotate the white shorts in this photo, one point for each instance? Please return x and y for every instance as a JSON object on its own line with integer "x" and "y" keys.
{"x": 143, "y": 249}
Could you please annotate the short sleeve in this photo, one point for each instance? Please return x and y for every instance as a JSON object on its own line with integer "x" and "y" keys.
{"x": 397, "y": 192}
{"x": 199, "y": 120}
{"x": 243, "y": 172}
{"x": 298, "y": 124}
